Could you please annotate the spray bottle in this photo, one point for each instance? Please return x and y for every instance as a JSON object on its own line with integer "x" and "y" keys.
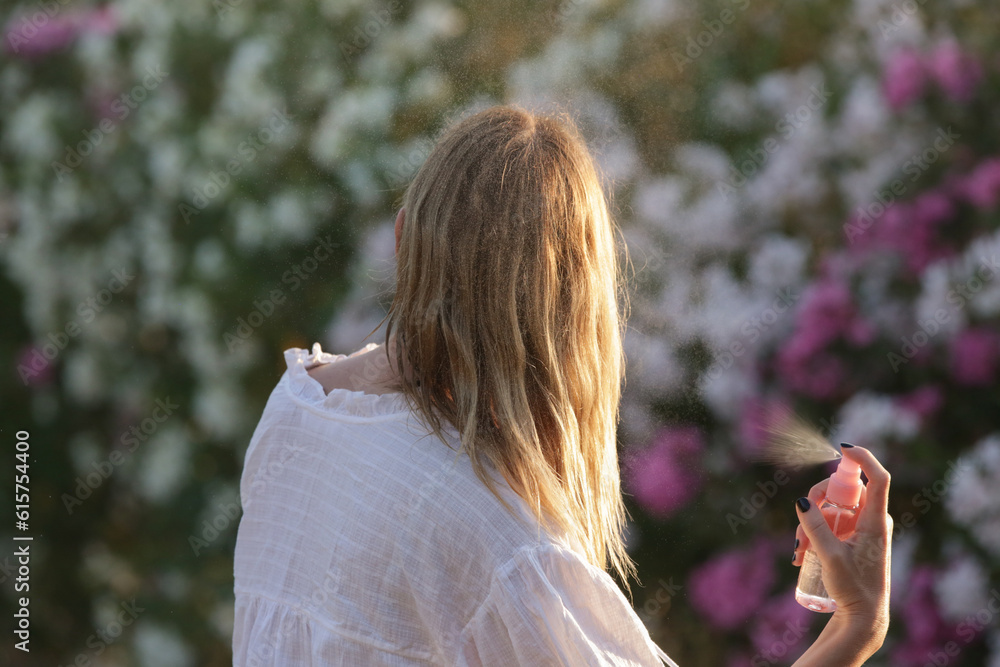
{"x": 840, "y": 507}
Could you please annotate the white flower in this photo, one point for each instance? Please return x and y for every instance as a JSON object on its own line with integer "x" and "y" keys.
{"x": 651, "y": 362}
{"x": 961, "y": 588}
{"x": 865, "y": 116}
{"x": 637, "y": 421}
{"x": 85, "y": 381}
{"x": 702, "y": 161}
{"x": 869, "y": 419}
{"x": 994, "y": 640}
{"x": 980, "y": 274}
{"x": 428, "y": 86}
{"x": 936, "y": 302}
{"x": 903, "y": 549}
{"x": 209, "y": 259}
{"x": 660, "y": 200}
{"x": 778, "y": 262}
{"x": 159, "y": 646}
{"x": 355, "y": 110}
{"x": 644, "y": 14}
{"x": 164, "y": 462}
{"x": 725, "y": 388}
{"x": 971, "y": 498}
{"x": 29, "y": 130}
{"x": 219, "y": 408}
{"x": 245, "y": 92}
{"x": 734, "y": 105}
{"x": 291, "y": 220}
{"x": 723, "y": 307}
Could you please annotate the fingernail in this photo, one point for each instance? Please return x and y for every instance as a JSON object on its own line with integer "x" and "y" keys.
{"x": 803, "y": 504}
{"x": 793, "y": 556}
{"x": 796, "y": 544}
{"x": 846, "y": 444}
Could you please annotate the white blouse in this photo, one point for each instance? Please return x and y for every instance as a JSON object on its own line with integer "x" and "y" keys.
{"x": 365, "y": 541}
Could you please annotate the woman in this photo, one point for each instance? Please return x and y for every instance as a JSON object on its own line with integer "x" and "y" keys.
{"x": 453, "y": 497}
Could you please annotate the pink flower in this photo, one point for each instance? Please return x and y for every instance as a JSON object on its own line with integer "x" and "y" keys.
{"x": 730, "y": 587}
{"x": 667, "y": 474}
{"x": 38, "y": 33}
{"x": 827, "y": 313}
{"x": 910, "y": 228}
{"x": 34, "y": 369}
{"x": 922, "y": 245}
{"x": 756, "y": 416}
{"x": 904, "y": 79}
{"x": 981, "y": 187}
{"x": 975, "y": 353}
{"x": 779, "y": 629}
{"x": 926, "y": 631}
{"x": 956, "y": 72}
{"x": 923, "y": 401}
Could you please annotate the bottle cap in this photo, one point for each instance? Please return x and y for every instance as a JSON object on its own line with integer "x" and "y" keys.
{"x": 845, "y": 484}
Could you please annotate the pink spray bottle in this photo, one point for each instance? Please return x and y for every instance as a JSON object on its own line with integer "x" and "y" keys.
{"x": 840, "y": 507}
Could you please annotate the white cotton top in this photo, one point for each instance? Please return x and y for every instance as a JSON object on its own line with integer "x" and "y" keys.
{"x": 365, "y": 540}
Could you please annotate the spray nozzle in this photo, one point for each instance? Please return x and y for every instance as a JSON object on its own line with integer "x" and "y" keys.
{"x": 845, "y": 483}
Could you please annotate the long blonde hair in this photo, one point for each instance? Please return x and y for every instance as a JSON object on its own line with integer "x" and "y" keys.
{"x": 509, "y": 308}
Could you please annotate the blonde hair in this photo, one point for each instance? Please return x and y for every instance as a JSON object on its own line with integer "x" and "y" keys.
{"x": 507, "y": 310}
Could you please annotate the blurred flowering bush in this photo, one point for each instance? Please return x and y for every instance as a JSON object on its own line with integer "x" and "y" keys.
{"x": 810, "y": 196}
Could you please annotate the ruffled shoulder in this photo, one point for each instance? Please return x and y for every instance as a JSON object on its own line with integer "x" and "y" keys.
{"x": 341, "y": 402}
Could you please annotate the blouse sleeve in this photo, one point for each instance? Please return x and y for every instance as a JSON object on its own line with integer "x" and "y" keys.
{"x": 547, "y": 606}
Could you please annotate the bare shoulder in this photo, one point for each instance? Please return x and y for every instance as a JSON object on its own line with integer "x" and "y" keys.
{"x": 363, "y": 370}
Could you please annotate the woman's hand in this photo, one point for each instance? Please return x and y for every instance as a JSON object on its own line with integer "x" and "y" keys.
{"x": 855, "y": 570}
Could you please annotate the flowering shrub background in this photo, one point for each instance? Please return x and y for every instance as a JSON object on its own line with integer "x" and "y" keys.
{"x": 809, "y": 191}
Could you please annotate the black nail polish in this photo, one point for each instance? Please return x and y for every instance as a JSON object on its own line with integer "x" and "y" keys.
{"x": 793, "y": 556}
{"x": 803, "y": 504}
{"x": 846, "y": 444}
{"x": 796, "y": 544}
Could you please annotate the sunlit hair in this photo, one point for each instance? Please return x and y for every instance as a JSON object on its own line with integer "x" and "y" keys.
{"x": 509, "y": 308}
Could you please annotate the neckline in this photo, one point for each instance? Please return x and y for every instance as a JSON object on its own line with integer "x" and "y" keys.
{"x": 339, "y": 401}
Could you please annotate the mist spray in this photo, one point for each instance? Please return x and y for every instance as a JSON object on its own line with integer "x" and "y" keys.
{"x": 791, "y": 441}
{"x": 840, "y": 507}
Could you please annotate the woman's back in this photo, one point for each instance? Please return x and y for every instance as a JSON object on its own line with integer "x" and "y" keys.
{"x": 366, "y": 541}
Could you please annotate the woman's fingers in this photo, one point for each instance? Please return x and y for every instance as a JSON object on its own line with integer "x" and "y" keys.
{"x": 821, "y": 537}
{"x": 818, "y": 492}
{"x": 801, "y": 544}
{"x": 876, "y": 500}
